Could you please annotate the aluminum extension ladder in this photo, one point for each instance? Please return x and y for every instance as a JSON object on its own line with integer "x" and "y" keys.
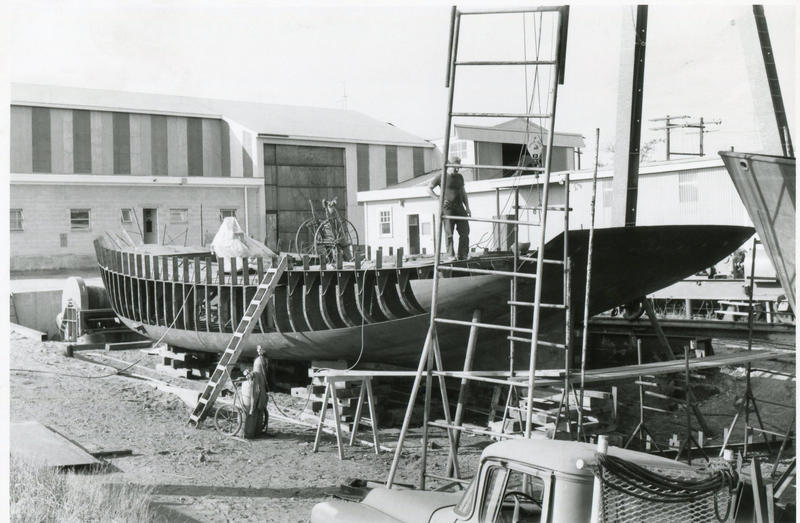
{"x": 264, "y": 291}
{"x": 431, "y": 356}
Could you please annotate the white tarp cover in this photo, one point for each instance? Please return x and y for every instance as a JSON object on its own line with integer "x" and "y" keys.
{"x": 232, "y": 242}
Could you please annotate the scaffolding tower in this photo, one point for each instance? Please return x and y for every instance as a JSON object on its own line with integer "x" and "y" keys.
{"x": 522, "y": 266}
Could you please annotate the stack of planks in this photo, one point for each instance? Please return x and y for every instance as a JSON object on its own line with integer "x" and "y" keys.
{"x": 186, "y": 364}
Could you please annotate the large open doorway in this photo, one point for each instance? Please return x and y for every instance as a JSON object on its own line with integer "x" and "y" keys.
{"x": 150, "y": 222}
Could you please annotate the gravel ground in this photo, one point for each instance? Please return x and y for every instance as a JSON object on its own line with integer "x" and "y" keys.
{"x": 205, "y": 475}
{"x": 209, "y": 477}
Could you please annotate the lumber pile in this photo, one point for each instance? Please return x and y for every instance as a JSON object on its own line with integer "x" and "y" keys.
{"x": 598, "y": 410}
{"x": 184, "y": 364}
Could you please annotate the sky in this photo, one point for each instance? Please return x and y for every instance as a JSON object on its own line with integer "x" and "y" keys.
{"x": 388, "y": 59}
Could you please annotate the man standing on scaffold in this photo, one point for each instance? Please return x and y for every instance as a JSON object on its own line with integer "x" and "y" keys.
{"x": 455, "y": 204}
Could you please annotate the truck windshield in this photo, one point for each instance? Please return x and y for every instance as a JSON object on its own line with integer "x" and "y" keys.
{"x": 464, "y": 506}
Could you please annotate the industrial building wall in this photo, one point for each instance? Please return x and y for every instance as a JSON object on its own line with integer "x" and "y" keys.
{"x": 67, "y": 141}
{"x": 380, "y": 166}
{"x": 680, "y": 197}
{"x": 691, "y": 196}
{"x": 48, "y": 238}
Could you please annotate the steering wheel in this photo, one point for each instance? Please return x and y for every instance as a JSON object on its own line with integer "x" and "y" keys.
{"x": 519, "y": 494}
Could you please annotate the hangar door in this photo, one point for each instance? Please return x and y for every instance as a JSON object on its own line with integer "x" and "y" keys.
{"x": 293, "y": 175}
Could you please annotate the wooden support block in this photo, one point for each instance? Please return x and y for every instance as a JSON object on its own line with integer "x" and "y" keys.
{"x": 128, "y": 345}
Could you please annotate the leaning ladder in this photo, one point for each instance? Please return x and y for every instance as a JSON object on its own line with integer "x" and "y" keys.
{"x": 431, "y": 355}
{"x": 264, "y": 291}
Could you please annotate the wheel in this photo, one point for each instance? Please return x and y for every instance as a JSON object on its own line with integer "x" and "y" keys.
{"x": 335, "y": 235}
{"x": 228, "y": 419}
{"x": 304, "y": 238}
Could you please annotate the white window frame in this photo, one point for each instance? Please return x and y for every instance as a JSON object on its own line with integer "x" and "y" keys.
{"x": 182, "y": 214}
{"x": 385, "y": 218}
{"x": 228, "y": 211}
{"x": 122, "y": 215}
{"x": 80, "y": 228}
{"x": 11, "y": 221}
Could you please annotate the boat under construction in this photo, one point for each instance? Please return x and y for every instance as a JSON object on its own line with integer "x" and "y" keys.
{"x": 378, "y": 312}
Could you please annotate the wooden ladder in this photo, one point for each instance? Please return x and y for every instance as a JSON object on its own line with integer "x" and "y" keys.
{"x": 230, "y": 356}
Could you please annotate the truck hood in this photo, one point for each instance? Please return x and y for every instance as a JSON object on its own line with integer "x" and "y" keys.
{"x": 386, "y": 506}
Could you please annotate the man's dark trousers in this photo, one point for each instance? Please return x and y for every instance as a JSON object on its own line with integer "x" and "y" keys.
{"x": 462, "y": 227}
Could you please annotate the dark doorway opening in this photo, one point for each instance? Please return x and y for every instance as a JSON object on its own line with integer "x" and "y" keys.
{"x": 413, "y": 233}
{"x": 150, "y": 222}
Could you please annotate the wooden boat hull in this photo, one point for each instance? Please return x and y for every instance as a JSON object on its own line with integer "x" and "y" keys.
{"x": 381, "y": 314}
{"x": 767, "y": 185}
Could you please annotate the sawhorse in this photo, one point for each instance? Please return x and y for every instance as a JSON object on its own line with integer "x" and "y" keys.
{"x": 365, "y": 393}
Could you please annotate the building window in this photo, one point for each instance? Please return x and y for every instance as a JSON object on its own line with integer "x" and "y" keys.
{"x": 180, "y": 215}
{"x": 426, "y": 228}
{"x": 126, "y": 216}
{"x": 226, "y": 213}
{"x": 459, "y": 148}
{"x": 386, "y": 223}
{"x": 16, "y": 220}
{"x": 687, "y": 187}
{"x": 79, "y": 220}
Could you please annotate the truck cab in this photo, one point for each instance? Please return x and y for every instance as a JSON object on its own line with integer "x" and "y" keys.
{"x": 517, "y": 481}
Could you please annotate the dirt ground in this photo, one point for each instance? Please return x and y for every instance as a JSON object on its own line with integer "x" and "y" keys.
{"x": 202, "y": 475}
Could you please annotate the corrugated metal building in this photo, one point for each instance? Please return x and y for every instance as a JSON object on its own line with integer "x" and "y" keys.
{"x": 675, "y": 192}
{"x": 169, "y": 168}
{"x": 503, "y": 144}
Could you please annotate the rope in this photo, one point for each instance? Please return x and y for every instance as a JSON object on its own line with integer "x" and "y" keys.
{"x": 639, "y": 482}
{"x": 115, "y": 373}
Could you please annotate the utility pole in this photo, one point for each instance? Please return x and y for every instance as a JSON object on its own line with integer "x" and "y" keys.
{"x": 578, "y": 154}
{"x": 670, "y": 124}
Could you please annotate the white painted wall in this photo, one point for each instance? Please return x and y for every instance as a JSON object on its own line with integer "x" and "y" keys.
{"x": 660, "y": 203}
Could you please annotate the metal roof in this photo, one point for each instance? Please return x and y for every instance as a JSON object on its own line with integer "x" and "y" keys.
{"x": 286, "y": 121}
{"x": 562, "y": 456}
{"x": 517, "y": 130}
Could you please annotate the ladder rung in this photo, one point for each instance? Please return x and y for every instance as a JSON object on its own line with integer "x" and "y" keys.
{"x": 484, "y": 325}
{"x": 510, "y": 274}
{"x": 507, "y": 62}
{"x": 510, "y": 10}
{"x": 549, "y": 208}
{"x": 488, "y": 166}
{"x": 489, "y": 220}
{"x": 543, "y": 305}
{"x": 501, "y": 115}
{"x": 539, "y": 342}
{"x": 531, "y": 259}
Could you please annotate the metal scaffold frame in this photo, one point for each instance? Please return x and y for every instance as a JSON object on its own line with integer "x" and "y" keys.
{"x": 430, "y": 363}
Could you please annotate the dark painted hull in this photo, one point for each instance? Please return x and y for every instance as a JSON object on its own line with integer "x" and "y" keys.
{"x": 767, "y": 185}
{"x": 628, "y": 263}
